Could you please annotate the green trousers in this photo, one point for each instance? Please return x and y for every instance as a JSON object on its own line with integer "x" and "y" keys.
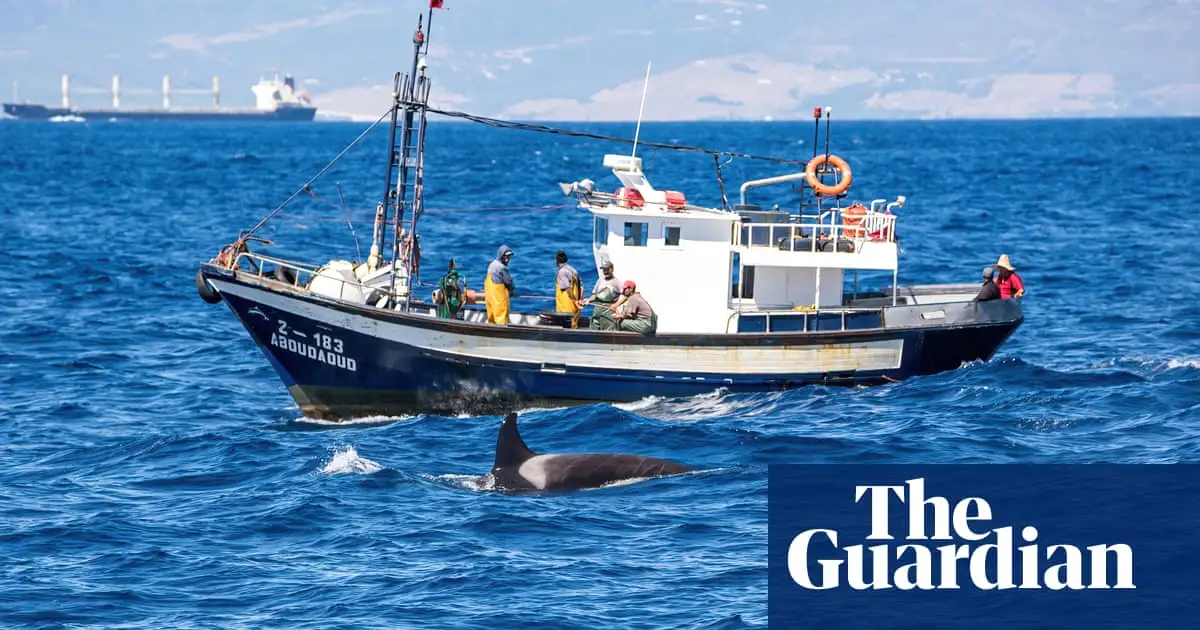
{"x": 643, "y": 325}
{"x": 601, "y": 316}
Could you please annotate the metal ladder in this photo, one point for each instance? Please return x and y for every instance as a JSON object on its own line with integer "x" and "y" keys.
{"x": 404, "y": 173}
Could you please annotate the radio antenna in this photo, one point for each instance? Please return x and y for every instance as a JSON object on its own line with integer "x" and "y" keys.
{"x": 636, "y": 131}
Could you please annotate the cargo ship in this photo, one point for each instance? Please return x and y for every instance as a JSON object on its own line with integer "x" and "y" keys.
{"x": 275, "y": 100}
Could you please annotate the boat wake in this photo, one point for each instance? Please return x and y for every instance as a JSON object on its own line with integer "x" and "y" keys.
{"x": 519, "y": 410}
{"x": 719, "y": 403}
{"x": 639, "y": 405}
{"x": 316, "y": 424}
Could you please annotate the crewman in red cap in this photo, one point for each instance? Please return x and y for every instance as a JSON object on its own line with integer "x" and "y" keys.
{"x": 632, "y": 312}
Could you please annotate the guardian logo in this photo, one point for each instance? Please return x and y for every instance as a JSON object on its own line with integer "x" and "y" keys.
{"x": 948, "y": 545}
{"x": 983, "y": 546}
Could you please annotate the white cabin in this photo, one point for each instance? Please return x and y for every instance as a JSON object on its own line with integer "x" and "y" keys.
{"x": 701, "y": 269}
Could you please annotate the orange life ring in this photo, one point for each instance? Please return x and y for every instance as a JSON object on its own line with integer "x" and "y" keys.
{"x": 810, "y": 174}
{"x": 853, "y": 218}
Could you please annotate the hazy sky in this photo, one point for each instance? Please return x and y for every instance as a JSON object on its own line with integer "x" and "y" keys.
{"x": 585, "y": 59}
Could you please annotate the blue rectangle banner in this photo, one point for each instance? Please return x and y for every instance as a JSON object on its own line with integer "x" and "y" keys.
{"x": 972, "y": 546}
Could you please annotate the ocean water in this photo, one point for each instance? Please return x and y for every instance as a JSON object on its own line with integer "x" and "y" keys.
{"x": 154, "y": 472}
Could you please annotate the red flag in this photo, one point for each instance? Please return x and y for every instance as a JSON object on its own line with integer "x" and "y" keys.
{"x": 435, "y": 4}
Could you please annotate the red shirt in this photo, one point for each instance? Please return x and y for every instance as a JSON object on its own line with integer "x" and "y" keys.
{"x": 1010, "y": 285}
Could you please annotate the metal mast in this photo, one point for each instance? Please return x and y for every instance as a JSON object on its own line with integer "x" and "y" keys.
{"x": 418, "y": 203}
{"x": 403, "y": 158}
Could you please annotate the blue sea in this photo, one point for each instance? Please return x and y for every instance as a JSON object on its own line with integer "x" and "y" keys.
{"x": 154, "y": 472}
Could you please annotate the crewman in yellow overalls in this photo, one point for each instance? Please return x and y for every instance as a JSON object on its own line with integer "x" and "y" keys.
{"x": 568, "y": 290}
{"x": 498, "y": 287}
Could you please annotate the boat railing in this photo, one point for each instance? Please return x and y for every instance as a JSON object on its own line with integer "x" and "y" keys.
{"x": 595, "y": 199}
{"x": 257, "y": 263}
{"x": 816, "y": 234}
{"x": 300, "y": 276}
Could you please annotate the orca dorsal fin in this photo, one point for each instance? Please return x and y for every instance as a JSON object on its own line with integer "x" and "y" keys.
{"x": 510, "y": 448}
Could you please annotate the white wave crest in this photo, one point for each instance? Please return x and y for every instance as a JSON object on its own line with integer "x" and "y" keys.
{"x": 1182, "y": 363}
{"x": 347, "y": 460}
{"x": 366, "y": 420}
{"x": 1152, "y": 364}
{"x": 700, "y": 400}
{"x": 640, "y": 404}
{"x": 477, "y": 483}
{"x": 712, "y": 404}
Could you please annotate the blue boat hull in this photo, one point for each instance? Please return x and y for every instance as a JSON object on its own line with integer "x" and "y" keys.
{"x": 334, "y": 372}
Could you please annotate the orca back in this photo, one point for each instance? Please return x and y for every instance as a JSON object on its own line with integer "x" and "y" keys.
{"x": 517, "y": 467}
{"x": 592, "y": 470}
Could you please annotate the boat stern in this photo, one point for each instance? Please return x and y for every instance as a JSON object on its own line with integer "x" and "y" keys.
{"x": 949, "y": 334}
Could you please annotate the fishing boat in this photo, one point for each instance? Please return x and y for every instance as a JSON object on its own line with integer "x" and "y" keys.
{"x": 769, "y": 300}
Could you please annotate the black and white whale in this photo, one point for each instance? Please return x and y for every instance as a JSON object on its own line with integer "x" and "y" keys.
{"x": 518, "y": 468}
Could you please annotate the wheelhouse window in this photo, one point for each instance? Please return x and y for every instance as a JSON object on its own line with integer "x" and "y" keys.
{"x": 636, "y": 234}
{"x": 748, "y": 282}
{"x": 671, "y": 235}
{"x": 600, "y": 233}
{"x": 742, "y": 285}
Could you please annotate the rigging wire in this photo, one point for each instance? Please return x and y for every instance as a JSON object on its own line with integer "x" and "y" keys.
{"x": 349, "y": 223}
{"x": 365, "y": 219}
{"x": 314, "y": 178}
{"x": 505, "y": 124}
{"x": 508, "y": 124}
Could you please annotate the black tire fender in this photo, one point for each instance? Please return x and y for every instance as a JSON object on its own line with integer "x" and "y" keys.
{"x": 206, "y": 291}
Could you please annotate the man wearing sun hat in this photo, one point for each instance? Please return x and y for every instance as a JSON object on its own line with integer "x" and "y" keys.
{"x": 1009, "y": 282}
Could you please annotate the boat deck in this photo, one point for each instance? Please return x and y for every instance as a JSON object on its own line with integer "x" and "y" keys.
{"x": 913, "y": 306}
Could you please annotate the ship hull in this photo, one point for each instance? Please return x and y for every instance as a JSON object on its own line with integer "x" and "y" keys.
{"x": 24, "y": 111}
{"x": 342, "y": 361}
